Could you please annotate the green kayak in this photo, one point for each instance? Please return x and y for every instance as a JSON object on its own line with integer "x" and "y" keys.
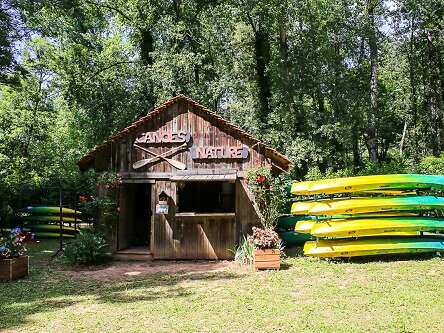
{"x": 287, "y": 222}
{"x": 51, "y": 235}
{"x": 51, "y": 228}
{"x": 291, "y": 238}
{"x": 45, "y": 210}
{"x": 49, "y": 218}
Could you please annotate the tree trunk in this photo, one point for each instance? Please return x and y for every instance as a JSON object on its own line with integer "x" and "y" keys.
{"x": 262, "y": 55}
{"x": 413, "y": 91}
{"x": 402, "y": 143}
{"x": 283, "y": 52}
{"x": 355, "y": 149}
{"x": 146, "y": 46}
{"x": 434, "y": 95}
{"x": 372, "y": 139}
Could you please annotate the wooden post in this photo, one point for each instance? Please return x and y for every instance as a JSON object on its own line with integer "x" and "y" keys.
{"x": 76, "y": 199}
{"x": 61, "y": 218}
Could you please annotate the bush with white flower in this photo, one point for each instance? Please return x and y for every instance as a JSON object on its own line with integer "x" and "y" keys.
{"x": 12, "y": 246}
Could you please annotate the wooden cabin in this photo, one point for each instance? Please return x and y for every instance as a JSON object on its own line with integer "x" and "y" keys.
{"x": 183, "y": 193}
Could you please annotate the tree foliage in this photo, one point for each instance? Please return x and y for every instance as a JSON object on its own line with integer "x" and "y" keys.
{"x": 336, "y": 85}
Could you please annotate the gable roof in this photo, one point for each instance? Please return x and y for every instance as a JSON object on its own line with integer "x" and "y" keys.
{"x": 85, "y": 162}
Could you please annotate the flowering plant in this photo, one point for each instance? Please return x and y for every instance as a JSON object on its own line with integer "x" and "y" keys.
{"x": 12, "y": 246}
{"x": 259, "y": 178}
{"x": 269, "y": 195}
{"x": 265, "y": 238}
{"x": 109, "y": 180}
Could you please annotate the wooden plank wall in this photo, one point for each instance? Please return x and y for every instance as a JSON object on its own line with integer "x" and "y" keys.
{"x": 190, "y": 237}
{"x": 206, "y": 237}
{"x": 246, "y": 215}
{"x": 163, "y": 230}
{"x": 120, "y": 155}
{"x": 183, "y": 237}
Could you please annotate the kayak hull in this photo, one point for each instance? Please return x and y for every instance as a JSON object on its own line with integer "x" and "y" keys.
{"x": 289, "y": 222}
{"x": 372, "y": 205}
{"x": 304, "y": 226}
{"x": 368, "y": 183}
{"x": 291, "y": 238}
{"x": 45, "y": 210}
{"x": 48, "y": 218}
{"x": 51, "y": 235}
{"x": 375, "y": 226}
{"x": 51, "y": 228}
{"x": 372, "y": 246}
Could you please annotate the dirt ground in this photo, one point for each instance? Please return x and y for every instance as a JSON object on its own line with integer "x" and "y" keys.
{"x": 129, "y": 269}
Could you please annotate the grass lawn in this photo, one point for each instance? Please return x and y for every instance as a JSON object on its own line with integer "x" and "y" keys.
{"x": 308, "y": 295}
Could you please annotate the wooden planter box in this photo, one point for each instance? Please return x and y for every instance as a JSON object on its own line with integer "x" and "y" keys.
{"x": 12, "y": 269}
{"x": 267, "y": 259}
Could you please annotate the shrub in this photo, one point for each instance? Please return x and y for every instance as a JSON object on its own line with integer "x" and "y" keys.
{"x": 265, "y": 238}
{"x": 432, "y": 165}
{"x": 394, "y": 166}
{"x": 89, "y": 248}
{"x": 12, "y": 245}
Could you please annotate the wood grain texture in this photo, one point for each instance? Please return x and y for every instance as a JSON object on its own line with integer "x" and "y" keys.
{"x": 184, "y": 237}
{"x": 121, "y": 154}
{"x": 267, "y": 259}
{"x": 13, "y": 269}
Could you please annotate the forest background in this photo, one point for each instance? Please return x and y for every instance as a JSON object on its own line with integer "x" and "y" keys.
{"x": 341, "y": 87}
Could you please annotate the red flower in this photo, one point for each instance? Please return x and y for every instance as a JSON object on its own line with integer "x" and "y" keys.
{"x": 260, "y": 179}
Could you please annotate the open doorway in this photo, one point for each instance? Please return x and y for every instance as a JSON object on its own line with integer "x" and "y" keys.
{"x": 135, "y": 216}
{"x": 142, "y": 215}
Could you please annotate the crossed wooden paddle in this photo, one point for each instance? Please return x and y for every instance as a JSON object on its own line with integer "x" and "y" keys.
{"x": 177, "y": 164}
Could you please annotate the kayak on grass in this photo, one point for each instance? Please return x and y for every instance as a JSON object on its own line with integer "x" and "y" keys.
{"x": 371, "y": 205}
{"x": 45, "y": 210}
{"x": 372, "y": 246}
{"x": 346, "y": 228}
{"x": 404, "y": 182}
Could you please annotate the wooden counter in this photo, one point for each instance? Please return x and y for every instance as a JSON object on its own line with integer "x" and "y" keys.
{"x": 205, "y": 235}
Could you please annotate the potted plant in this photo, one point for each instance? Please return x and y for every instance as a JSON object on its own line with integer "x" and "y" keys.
{"x": 269, "y": 200}
{"x": 14, "y": 263}
{"x": 267, "y": 248}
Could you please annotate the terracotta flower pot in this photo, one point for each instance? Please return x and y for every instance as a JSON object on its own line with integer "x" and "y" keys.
{"x": 15, "y": 268}
{"x": 267, "y": 259}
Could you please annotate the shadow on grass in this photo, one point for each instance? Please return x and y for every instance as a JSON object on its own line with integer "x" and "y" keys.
{"x": 393, "y": 257}
{"x": 386, "y": 258}
{"x": 48, "y": 289}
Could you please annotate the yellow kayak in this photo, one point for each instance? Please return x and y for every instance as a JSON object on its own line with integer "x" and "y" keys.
{"x": 372, "y": 246}
{"x": 306, "y": 207}
{"x": 304, "y": 226}
{"x": 368, "y": 183}
{"x": 346, "y": 228}
{"x": 307, "y": 227}
{"x": 390, "y": 192}
{"x": 303, "y": 207}
{"x": 376, "y": 205}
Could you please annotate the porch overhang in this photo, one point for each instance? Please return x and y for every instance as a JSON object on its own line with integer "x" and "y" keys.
{"x": 205, "y": 178}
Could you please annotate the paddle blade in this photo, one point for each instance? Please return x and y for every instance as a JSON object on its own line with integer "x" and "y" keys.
{"x": 141, "y": 163}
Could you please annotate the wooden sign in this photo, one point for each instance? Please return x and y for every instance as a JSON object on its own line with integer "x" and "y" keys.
{"x": 219, "y": 153}
{"x": 164, "y": 137}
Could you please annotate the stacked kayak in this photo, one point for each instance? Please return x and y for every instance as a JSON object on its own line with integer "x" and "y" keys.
{"x": 44, "y": 221}
{"x": 383, "y": 215}
{"x": 286, "y": 231}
